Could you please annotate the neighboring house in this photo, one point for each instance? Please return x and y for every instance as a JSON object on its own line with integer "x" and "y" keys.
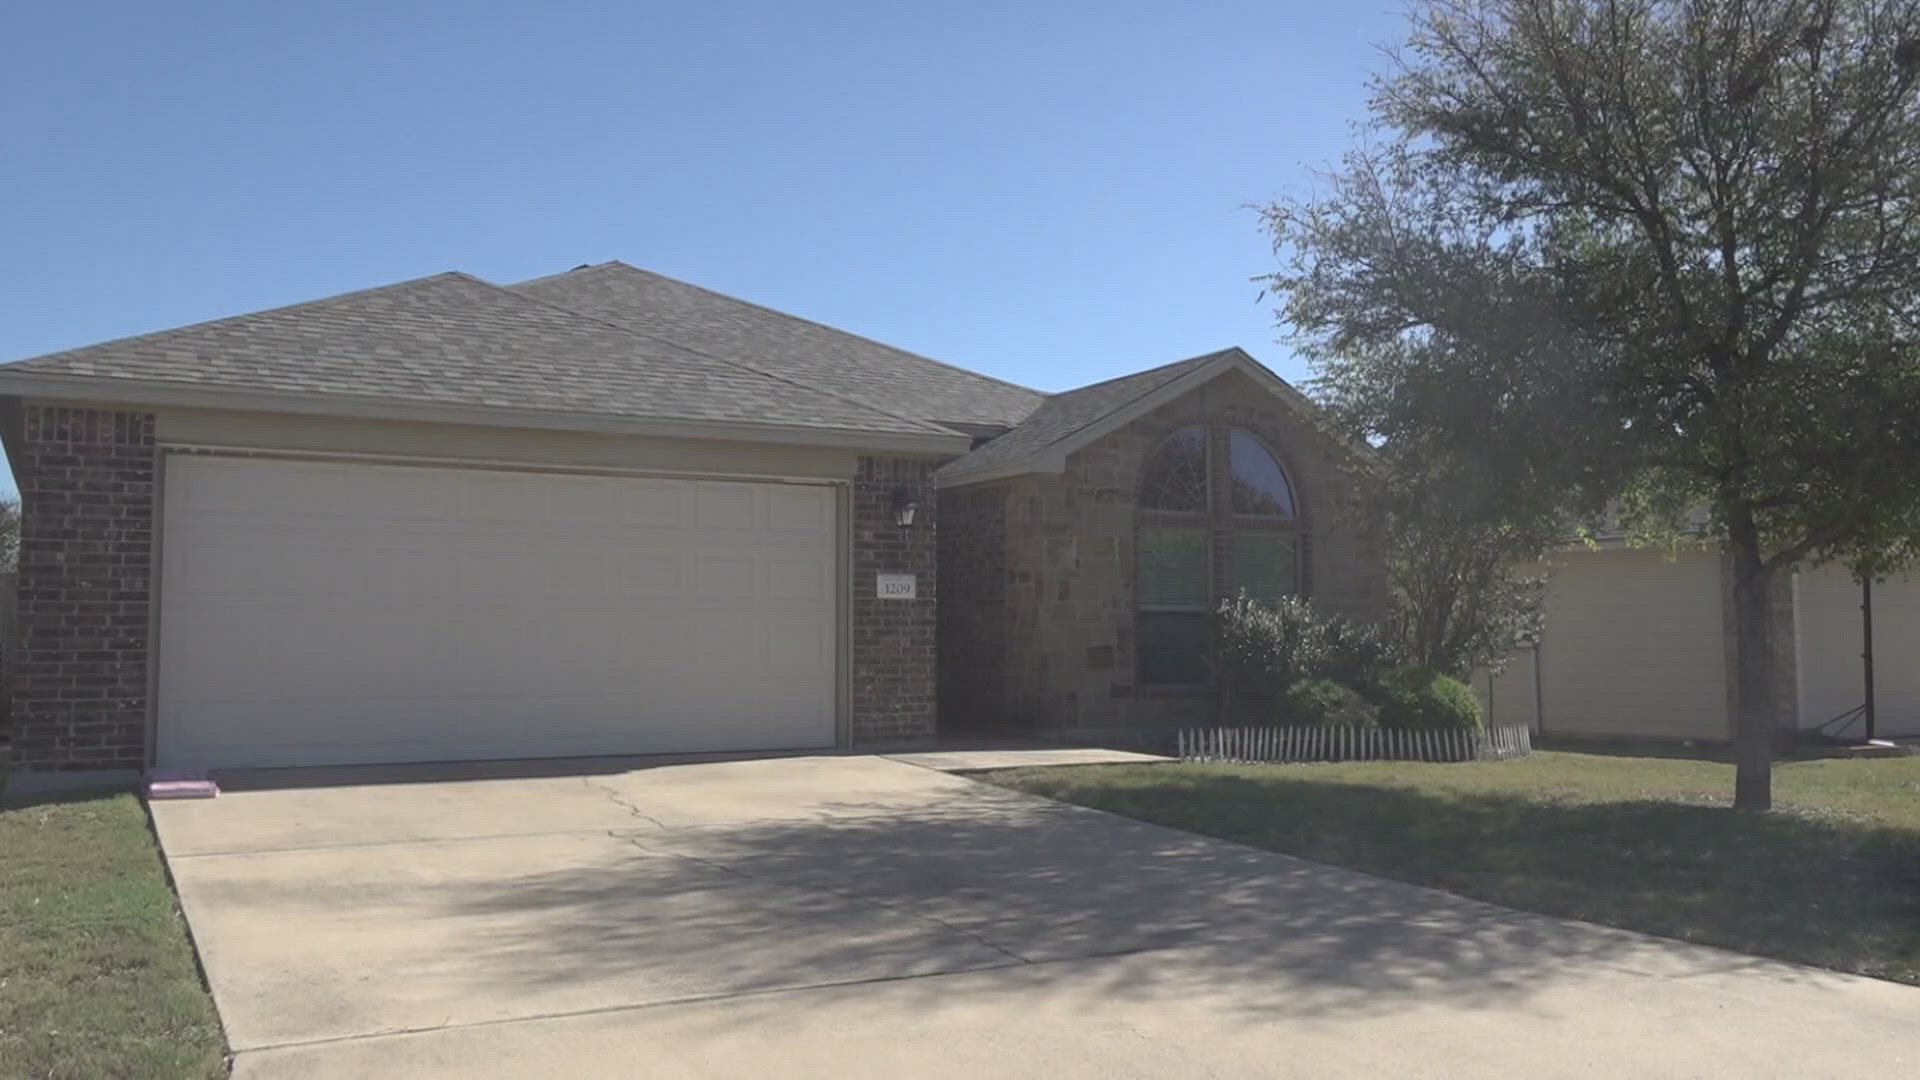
{"x": 606, "y": 512}
{"x": 1638, "y": 645}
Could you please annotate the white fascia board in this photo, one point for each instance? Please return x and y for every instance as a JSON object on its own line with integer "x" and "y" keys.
{"x": 142, "y": 394}
{"x": 1045, "y": 462}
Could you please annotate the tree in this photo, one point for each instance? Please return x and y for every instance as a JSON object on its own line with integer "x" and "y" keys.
{"x": 1662, "y": 253}
{"x": 1455, "y": 551}
{"x": 9, "y": 534}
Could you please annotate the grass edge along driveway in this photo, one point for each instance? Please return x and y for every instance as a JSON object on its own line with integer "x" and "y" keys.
{"x": 97, "y": 974}
{"x": 1831, "y": 879}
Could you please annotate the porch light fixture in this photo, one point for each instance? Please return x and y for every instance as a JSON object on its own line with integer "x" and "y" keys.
{"x": 904, "y": 507}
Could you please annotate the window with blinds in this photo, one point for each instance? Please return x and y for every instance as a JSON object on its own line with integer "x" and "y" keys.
{"x": 1217, "y": 518}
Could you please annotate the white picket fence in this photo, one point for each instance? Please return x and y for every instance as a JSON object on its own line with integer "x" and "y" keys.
{"x": 1337, "y": 743}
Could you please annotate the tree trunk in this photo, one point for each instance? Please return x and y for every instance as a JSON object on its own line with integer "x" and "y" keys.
{"x": 1753, "y": 652}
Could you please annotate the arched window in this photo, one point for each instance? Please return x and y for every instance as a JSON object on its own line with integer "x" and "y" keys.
{"x": 1216, "y": 516}
{"x": 1174, "y": 479}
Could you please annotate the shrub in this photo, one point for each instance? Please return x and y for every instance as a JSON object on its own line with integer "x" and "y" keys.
{"x": 1323, "y": 702}
{"x": 1357, "y": 654}
{"x": 1417, "y": 698}
{"x": 1261, "y": 650}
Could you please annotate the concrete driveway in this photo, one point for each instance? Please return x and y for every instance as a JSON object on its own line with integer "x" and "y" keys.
{"x": 846, "y": 916}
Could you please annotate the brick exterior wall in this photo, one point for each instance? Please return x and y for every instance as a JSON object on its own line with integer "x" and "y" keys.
{"x": 1066, "y": 634}
{"x": 973, "y": 606}
{"x": 86, "y": 481}
{"x": 894, "y": 655}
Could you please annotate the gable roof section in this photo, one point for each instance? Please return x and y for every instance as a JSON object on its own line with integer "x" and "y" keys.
{"x": 452, "y": 346}
{"x": 843, "y": 364}
{"x": 1073, "y": 419}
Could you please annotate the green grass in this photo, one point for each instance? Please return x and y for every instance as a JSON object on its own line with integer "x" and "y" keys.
{"x": 1832, "y": 878}
{"x": 97, "y": 977}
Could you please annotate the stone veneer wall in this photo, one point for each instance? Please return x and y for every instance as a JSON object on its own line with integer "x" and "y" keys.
{"x": 894, "y": 656}
{"x": 1068, "y": 637}
{"x": 86, "y": 481}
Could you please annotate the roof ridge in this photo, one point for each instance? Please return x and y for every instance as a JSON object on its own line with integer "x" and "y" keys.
{"x": 612, "y": 263}
{"x": 1149, "y": 391}
{"x": 1146, "y": 371}
{"x": 324, "y": 301}
{"x": 742, "y": 365}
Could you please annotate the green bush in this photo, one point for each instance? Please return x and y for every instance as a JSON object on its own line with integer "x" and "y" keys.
{"x": 1323, "y": 702}
{"x": 1421, "y": 699}
{"x": 1260, "y": 650}
{"x": 1357, "y": 654}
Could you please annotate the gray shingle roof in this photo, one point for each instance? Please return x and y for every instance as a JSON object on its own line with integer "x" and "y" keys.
{"x": 453, "y": 339}
{"x": 846, "y": 365}
{"x": 1064, "y": 414}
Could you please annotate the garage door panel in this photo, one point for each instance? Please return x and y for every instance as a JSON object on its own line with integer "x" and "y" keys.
{"x": 726, "y": 575}
{"x": 796, "y": 579}
{"x": 404, "y": 564}
{"x": 654, "y": 571}
{"x": 798, "y": 512}
{"x": 234, "y": 561}
{"x": 795, "y": 645}
{"x": 331, "y": 613}
{"x": 397, "y": 498}
{"x": 731, "y": 634}
{"x": 304, "y": 492}
{"x": 727, "y": 507}
{"x": 657, "y": 504}
{"x": 581, "y": 501}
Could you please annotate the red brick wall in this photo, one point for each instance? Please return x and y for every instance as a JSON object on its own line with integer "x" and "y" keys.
{"x": 893, "y": 692}
{"x": 973, "y": 606}
{"x": 86, "y": 481}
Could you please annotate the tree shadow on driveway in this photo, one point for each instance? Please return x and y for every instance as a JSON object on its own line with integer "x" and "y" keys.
{"x": 1810, "y": 885}
{"x": 1020, "y": 882}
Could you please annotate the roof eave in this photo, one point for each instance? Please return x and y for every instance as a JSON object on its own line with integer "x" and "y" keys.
{"x": 1025, "y": 466}
{"x": 151, "y": 393}
{"x": 1052, "y": 458}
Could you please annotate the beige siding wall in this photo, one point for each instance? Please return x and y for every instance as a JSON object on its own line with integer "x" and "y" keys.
{"x": 1634, "y": 646}
{"x": 461, "y": 442}
{"x": 1830, "y": 643}
{"x": 1511, "y": 698}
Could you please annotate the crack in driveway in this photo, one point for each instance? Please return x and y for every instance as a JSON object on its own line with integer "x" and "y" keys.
{"x": 614, "y": 798}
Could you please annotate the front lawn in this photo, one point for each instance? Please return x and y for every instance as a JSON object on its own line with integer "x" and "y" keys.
{"x": 1832, "y": 878}
{"x": 97, "y": 977}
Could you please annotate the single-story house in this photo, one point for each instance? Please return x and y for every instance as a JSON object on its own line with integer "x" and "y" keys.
{"x": 1638, "y": 644}
{"x": 606, "y": 512}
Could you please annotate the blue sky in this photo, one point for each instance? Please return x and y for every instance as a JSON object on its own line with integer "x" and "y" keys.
{"x": 1054, "y": 193}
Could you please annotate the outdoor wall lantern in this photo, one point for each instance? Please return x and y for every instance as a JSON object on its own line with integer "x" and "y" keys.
{"x": 904, "y": 507}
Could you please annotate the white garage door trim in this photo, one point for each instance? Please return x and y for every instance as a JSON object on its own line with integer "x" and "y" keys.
{"x": 247, "y": 537}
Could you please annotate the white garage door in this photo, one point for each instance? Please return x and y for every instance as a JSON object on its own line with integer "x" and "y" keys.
{"x": 323, "y": 613}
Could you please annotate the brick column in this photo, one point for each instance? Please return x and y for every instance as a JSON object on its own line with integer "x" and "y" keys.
{"x": 86, "y": 481}
{"x": 973, "y": 607}
{"x": 894, "y": 680}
